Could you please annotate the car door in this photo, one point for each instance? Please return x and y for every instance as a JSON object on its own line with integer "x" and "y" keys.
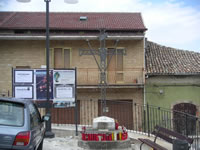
{"x": 36, "y": 125}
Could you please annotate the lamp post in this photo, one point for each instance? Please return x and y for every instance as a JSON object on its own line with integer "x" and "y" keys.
{"x": 48, "y": 132}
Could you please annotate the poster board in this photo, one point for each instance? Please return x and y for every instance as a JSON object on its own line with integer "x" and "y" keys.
{"x": 23, "y": 76}
{"x": 23, "y": 91}
{"x": 31, "y": 84}
{"x": 64, "y": 88}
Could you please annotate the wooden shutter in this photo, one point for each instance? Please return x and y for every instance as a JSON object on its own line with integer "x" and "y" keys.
{"x": 66, "y": 58}
{"x": 58, "y": 61}
{"x": 119, "y": 66}
{"x": 111, "y": 67}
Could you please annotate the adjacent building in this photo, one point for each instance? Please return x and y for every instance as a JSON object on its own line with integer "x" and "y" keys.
{"x": 172, "y": 78}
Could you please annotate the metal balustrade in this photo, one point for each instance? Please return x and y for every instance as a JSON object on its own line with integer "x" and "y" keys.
{"x": 130, "y": 76}
{"x": 143, "y": 118}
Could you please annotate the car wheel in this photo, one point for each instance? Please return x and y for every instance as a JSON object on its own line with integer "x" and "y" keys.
{"x": 40, "y": 146}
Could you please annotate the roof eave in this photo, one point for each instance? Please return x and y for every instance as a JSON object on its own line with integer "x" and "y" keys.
{"x": 173, "y": 74}
{"x": 63, "y": 37}
{"x": 76, "y": 29}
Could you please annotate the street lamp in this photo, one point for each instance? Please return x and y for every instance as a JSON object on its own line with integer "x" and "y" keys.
{"x": 48, "y": 132}
{"x": 71, "y": 1}
{"x": 24, "y": 1}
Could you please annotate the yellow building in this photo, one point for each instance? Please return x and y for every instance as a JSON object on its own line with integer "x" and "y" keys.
{"x": 22, "y": 45}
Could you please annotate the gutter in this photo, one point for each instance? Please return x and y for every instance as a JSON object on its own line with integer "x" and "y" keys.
{"x": 57, "y": 37}
{"x": 144, "y": 94}
{"x": 111, "y": 86}
{"x": 178, "y": 74}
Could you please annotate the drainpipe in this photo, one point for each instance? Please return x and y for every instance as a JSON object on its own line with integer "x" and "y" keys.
{"x": 144, "y": 39}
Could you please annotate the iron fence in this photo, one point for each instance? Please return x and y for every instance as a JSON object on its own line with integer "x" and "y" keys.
{"x": 143, "y": 118}
{"x": 148, "y": 116}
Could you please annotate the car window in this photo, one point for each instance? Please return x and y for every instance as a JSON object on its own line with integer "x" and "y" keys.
{"x": 11, "y": 114}
{"x": 35, "y": 118}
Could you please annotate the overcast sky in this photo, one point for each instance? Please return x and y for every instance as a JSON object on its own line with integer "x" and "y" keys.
{"x": 173, "y": 23}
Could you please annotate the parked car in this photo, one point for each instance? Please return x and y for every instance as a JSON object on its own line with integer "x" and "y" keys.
{"x": 21, "y": 126}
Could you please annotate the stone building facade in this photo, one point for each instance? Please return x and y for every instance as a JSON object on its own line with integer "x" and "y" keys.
{"x": 22, "y": 45}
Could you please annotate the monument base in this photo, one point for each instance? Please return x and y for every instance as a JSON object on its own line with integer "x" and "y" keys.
{"x": 111, "y": 145}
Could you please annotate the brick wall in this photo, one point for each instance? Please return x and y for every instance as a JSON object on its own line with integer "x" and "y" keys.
{"x": 32, "y": 53}
{"x": 18, "y": 53}
{"x": 89, "y": 101}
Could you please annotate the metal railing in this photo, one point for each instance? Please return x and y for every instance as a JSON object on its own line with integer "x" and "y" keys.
{"x": 143, "y": 118}
{"x": 91, "y": 76}
{"x": 177, "y": 121}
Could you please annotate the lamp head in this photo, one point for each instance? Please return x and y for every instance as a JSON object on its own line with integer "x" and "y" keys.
{"x": 24, "y": 1}
{"x": 71, "y": 1}
{"x": 66, "y": 1}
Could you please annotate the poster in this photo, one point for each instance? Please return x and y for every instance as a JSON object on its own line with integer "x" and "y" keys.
{"x": 64, "y": 88}
{"x": 64, "y": 76}
{"x": 64, "y": 92}
{"x": 41, "y": 89}
{"x": 24, "y": 91}
{"x": 23, "y": 76}
{"x": 63, "y": 104}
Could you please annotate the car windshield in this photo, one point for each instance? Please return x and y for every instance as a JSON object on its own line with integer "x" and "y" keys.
{"x": 11, "y": 114}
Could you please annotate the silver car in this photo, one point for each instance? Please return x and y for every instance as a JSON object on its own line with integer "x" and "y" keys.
{"x": 21, "y": 126}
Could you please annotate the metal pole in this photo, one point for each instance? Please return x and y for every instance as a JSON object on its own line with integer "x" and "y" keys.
{"x": 12, "y": 83}
{"x": 186, "y": 124}
{"x": 148, "y": 126}
{"x": 144, "y": 119}
{"x": 76, "y": 103}
{"x": 48, "y": 132}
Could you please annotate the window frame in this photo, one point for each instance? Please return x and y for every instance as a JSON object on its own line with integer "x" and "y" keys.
{"x": 36, "y": 114}
{"x": 63, "y": 56}
{"x": 52, "y": 57}
{"x": 23, "y": 117}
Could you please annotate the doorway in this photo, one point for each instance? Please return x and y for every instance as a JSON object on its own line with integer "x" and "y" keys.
{"x": 183, "y": 120}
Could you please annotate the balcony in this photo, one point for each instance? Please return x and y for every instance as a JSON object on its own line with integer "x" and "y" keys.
{"x": 129, "y": 76}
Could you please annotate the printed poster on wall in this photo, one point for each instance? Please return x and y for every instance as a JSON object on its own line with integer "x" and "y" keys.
{"x": 64, "y": 92}
{"x": 41, "y": 87}
{"x": 64, "y": 76}
{"x": 24, "y": 91}
{"x": 64, "y": 88}
{"x": 23, "y": 76}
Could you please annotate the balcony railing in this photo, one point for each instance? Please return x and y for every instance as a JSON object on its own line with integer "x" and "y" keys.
{"x": 129, "y": 76}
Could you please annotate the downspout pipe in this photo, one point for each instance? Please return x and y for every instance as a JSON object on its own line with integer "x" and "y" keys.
{"x": 145, "y": 40}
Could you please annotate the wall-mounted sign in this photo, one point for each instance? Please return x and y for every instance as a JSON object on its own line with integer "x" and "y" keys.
{"x": 25, "y": 92}
{"x": 64, "y": 92}
{"x": 63, "y": 104}
{"x": 31, "y": 84}
{"x": 23, "y": 76}
{"x": 64, "y": 88}
{"x": 41, "y": 87}
{"x": 64, "y": 76}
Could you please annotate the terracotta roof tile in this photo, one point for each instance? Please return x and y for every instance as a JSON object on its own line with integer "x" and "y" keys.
{"x": 5, "y": 16}
{"x": 70, "y": 21}
{"x": 161, "y": 60}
